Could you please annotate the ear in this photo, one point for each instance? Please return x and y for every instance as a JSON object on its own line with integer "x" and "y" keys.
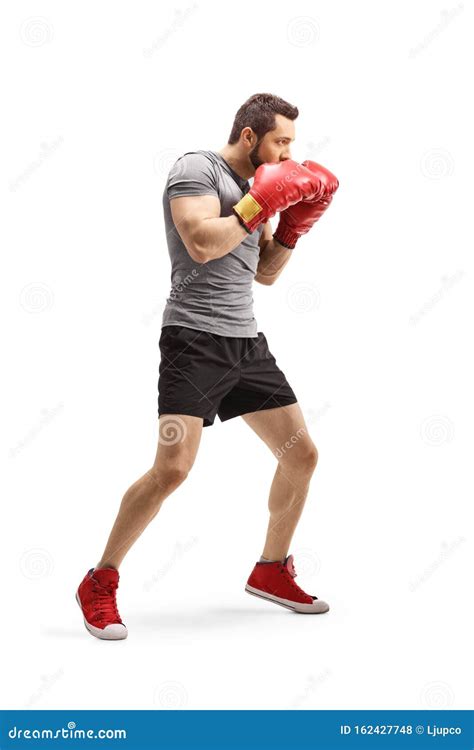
{"x": 249, "y": 137}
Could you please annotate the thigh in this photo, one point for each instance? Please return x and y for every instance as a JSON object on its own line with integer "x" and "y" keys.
{"x": 197, "y": 369}
{"x": 178, "y": 441}
{"x": 284, "y": 430}
{"x": 261, "y": 385}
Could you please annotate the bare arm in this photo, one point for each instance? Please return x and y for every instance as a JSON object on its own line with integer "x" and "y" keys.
{"x": 205, "y": 234}
{"x": 273, "y": 257}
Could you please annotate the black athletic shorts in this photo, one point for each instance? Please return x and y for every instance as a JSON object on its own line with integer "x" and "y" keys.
{"x": 202, "y": 374}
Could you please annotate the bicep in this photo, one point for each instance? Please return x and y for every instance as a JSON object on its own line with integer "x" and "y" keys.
{"x": 187, "y": 213}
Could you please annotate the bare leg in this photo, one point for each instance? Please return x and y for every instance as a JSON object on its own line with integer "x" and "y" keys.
{"x": 178, "y": 443}
{"x": 284, "y": 431}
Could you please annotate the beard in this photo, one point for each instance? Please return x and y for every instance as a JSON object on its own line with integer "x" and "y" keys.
{"x": 254, "y": 155}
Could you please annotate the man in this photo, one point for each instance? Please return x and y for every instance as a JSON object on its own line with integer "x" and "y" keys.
{"x": 213, "y": 359}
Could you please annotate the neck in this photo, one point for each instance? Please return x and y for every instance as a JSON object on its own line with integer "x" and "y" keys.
{"x": 239, "y": 162}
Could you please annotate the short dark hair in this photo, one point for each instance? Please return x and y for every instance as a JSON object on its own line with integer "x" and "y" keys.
{"x": 258, "y": 113}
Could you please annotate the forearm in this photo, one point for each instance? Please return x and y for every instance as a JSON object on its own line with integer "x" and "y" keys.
{"x": 273, "y": 259}
{"x": 215, "y": 237}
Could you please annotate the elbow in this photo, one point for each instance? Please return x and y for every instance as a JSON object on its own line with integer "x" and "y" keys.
{"x": 197, "y": 253}
{"x": 265, "y": 280}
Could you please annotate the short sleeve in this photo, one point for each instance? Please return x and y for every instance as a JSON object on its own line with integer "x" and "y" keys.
{"x": 192, "y": 174}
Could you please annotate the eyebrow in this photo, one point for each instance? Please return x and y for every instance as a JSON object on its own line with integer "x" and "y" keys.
{"x": 284, "y": 138}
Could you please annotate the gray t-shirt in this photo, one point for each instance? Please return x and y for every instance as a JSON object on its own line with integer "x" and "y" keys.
{"x": 214, "y": 296}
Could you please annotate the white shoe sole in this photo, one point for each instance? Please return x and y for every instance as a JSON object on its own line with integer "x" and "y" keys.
{"x": 114, "y": 632}
{"x": 318, "y": 607}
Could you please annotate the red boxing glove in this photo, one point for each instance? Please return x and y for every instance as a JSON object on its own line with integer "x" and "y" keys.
{"x": 298, "y": 219}
{"x": 330, "y": 181}
{"x": 275, "y": 187}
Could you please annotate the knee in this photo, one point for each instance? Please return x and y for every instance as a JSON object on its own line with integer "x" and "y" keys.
{"x": 308, "y": 457}
{"x": 175, "y": 475}
{"x": 303, "y": 457}
{"x": 169, "y": 477}
{"x": 311, "y": 457}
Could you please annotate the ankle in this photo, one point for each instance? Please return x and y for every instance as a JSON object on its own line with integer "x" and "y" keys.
{"x": 105, "y": 564}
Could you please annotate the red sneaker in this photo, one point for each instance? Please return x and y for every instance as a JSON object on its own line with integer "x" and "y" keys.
{"x": 275, "y": 581}
{"x": 96, "y": 598}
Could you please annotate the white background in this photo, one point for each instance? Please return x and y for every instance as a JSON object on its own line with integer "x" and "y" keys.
{"x": 369, "y": 322}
